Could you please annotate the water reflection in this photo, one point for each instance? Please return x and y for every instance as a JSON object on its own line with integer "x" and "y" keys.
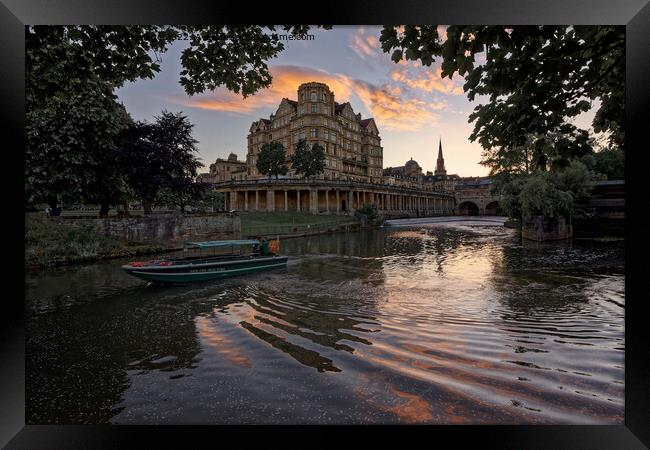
{"x": 435, "y": 324}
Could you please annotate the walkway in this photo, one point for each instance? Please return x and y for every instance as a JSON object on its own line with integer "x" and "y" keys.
{"x": 467, "y": 220}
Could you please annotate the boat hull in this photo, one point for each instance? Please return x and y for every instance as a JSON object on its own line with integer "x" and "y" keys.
{"x": 204, "y": 272}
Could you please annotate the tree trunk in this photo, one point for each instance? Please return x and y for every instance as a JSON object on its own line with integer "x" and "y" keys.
{"x": 146, "y": 205}
{"x": 52, "y": 202}
{"x": 126, "y": 209}
{"x": 104, "y": 207}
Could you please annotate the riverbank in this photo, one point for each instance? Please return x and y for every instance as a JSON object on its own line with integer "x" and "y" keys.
{"x": 293, "y": 224}
{"x": 71, "y": 240}
{"x": 59, "y": 242}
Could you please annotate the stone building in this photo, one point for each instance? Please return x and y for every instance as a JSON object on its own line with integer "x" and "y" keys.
{"x": 352, "y": 145}
{"x": 439, "y": 180}
{"x": 408, "y": 175}
{"x": 224, "y": 170}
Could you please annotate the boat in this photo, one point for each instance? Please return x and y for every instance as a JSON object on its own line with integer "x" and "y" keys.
{"x": 240, "y": 257}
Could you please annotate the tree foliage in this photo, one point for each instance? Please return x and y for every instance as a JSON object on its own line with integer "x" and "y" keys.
{"x": 69, "y": 136}
{"x": 272, "y": 160}
{"x": 536, "y": 78}
{"x": 160, "y": 155}
{"x": 73, "y": 119}
{"x": 181, "y": 193}
{"x": 308, "y": 161}
{"x": 608, "y": 162}
{"x": 532, "y": 82}
{"x": 211, "y": 200}
{"x": 562, "y": 192}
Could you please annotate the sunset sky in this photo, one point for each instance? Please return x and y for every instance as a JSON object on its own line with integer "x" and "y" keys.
{"x": 412, "y": 106}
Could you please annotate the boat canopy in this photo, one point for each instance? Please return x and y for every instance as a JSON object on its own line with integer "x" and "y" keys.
{"x": 213, "y": 244}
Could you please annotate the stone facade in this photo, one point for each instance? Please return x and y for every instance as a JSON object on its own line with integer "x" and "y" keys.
{"x": 474, "y": 197}
{"x": 224, "y": 170}
{"x": 352, "y": 145}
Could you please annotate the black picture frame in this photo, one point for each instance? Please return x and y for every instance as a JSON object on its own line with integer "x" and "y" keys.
{"x": 15, "y": 14}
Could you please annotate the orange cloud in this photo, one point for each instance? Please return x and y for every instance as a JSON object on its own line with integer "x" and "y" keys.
{"x": 286, "y": 80}
{"x": 392, "y": 110}
{"x": 427, "y": 81}
{"x": 392, "y": 106}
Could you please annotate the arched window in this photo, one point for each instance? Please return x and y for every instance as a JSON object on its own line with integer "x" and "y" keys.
{"x": 313, "y": 96}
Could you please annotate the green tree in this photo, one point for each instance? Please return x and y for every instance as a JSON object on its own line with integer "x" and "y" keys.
{"x": 272, "y": 159}
{"x": 72, "y": 116}
{"x": 160, "y": 155}
{"x": 536, "y": 78}
{"x": 308, "y": 161}
{"x": 562, "y": 192}
{"x": 211, "y": 200}
{"x": 180, "y": 193}
{"x": 69, "y": 137}
{"x": 608, "y": 162}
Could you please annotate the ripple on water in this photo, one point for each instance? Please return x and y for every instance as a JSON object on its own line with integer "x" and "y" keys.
{"x": 439, "y": 324}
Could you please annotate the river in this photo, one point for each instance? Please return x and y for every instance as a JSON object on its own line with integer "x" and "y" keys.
{"x": 448, "y": 323}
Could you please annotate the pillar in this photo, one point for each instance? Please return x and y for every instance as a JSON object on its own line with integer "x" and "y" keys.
{"x": 350, "y": 199}
{"x": 338, "y": 202}
{"x": 327, "y": 200}
{"x": 298, "y": 200}
{"x": 286, "y": 200}
{"x": 313, "y": 200}
{"x": 270, "y": 200}
{"x": 257, "y": 200}
{"x": 246, "y": 200}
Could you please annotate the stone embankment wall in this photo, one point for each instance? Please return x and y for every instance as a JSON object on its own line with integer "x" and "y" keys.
{"x": 540, "y": 228}
{"x": 170, "y": 228}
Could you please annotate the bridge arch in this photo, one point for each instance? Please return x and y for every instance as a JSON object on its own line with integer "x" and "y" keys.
{"x": 493, "y": 208}
{"x": 468, "y": 208}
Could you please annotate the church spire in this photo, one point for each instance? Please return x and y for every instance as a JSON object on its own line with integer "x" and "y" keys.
{"x": 440, "y": 163}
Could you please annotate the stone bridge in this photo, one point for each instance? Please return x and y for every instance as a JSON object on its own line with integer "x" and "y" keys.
{"x": 474, "y": 198}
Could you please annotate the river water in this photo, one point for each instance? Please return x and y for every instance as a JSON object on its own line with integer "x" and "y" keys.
{"x": 443, "y": 324}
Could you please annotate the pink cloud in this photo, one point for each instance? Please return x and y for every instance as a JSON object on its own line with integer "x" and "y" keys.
{"x": 427, "y": 80}
{"x": 364, "y": 45}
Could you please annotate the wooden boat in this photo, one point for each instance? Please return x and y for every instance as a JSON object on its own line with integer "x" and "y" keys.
{"x": 199, "y": 267}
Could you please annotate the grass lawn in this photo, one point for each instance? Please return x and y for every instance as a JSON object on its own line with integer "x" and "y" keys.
{"x": 286, "y": 222}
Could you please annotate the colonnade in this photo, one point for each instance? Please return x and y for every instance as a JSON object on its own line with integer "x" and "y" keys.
{"x": 336, "y": 200}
